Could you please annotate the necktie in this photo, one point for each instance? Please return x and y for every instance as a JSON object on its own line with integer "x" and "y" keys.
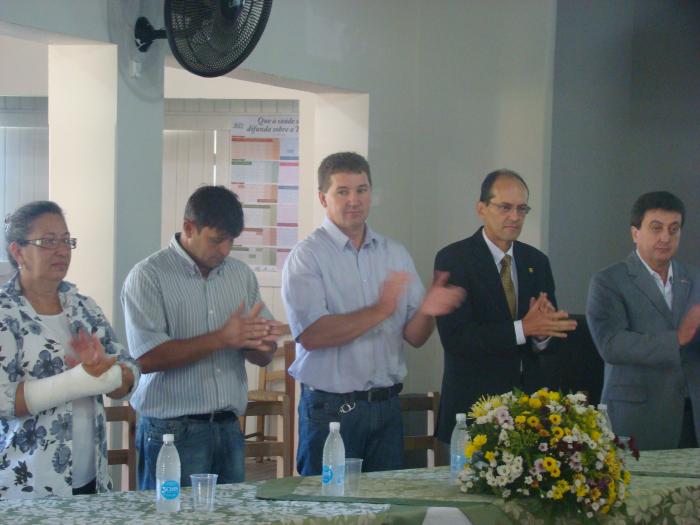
{"x": 507, "y": 283}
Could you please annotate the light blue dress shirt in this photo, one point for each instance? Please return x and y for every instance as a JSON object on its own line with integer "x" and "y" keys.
{"x": 326, "y": 275}
{"x": 165, "y": 297}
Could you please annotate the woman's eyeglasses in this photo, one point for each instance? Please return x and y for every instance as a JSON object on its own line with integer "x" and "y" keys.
{"x": 50, "y": 244}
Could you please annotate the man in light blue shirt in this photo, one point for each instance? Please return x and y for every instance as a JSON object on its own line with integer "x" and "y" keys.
{"x": 352, "y": 297}
{"x": 193, "y": 316}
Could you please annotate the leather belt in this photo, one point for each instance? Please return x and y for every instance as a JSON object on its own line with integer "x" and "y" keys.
{"x": 212, "y": 417}
{"x": 372, "y": 395}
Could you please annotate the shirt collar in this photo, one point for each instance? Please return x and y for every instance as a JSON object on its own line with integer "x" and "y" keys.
{"x": 654, "y": 273}
{"x": 341, "y": 240}
{"x": 187, "y": 260}
{"x": 496, "y": 252}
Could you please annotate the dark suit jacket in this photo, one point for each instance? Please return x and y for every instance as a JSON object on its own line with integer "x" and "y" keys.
{"x": 481, "y": 354}
{"x": 647, "y": 375}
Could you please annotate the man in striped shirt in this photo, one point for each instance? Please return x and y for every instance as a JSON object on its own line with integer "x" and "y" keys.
{"x": 193, "y": 316}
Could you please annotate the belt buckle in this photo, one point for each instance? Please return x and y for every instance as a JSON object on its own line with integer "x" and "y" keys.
{"x": 347, "y": 407}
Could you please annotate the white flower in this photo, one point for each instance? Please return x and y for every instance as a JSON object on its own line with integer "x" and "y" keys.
{"x": 543, "y": 447}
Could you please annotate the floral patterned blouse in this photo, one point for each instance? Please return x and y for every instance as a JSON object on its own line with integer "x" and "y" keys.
{"x": 36, "y": 451}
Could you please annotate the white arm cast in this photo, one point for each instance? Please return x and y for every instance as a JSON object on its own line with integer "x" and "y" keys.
{"x": 70, "y": 385}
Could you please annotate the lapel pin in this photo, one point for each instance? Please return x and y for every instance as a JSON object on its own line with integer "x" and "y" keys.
{"x": 531, "y": 269}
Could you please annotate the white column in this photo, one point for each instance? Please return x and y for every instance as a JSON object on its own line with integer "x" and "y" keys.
{"x": 82, "y": 126}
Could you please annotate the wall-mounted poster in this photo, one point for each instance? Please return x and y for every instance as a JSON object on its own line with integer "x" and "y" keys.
{"x": 265, "y": 176}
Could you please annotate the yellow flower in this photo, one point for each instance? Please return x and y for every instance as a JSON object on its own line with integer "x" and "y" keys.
{"x": 595, "y": 436}
{"x": 627, "y": 477}
{"x": 542, "y": 392}
{"x": 535, "y": 403}
{"x": 480, "y": 440}
{"x": 523, "y": 400}
{"x": 605, "y": 509}
{"x": 554, "y": 419}
{"x": 520, "y": 420}
{"x": 555, "y": 472}
{"x": 563, "y": 485}
{"x": 549, "y": 463}
{"x": 469, "y": 451}
{"x": 557, "y": 494}
{"x": 582, "y": 490}
{"x": 595, "y": 494}
{"x": 490, "y": 456}
{"x": 483, "y": 405}
{"x": 558, "y": 432}
{"x": 554, "y": 396}
{"x": 533, "y": 421}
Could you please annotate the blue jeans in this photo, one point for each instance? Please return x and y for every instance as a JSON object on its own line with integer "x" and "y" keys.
{"x": 372, "y": 431}
{"x": 203, "y": 447}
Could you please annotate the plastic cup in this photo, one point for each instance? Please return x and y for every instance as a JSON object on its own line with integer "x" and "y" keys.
{"x": 203, "y": 491}
{"x": 353, "y": 467}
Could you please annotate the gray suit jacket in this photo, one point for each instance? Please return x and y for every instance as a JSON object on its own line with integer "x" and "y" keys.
{"x": 647, "y": 375}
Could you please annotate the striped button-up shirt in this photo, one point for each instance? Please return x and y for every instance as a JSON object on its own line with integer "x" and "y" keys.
{"x": 165, "y": 297}
{"x": 326, "y": 275}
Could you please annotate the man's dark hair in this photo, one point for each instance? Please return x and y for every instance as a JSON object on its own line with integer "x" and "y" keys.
{"x": 655, "y": 200}
{"x": 490, "y": 180}
{"x": 20, "y": 223}
{"x": 215, "y": 207}
{"x": 344, "y": 162}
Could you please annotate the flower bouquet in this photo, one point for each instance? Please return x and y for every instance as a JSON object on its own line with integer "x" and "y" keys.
{"x": 548, "y": 446}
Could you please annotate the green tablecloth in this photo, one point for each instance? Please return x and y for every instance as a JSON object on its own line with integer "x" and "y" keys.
{"x": 665, "y": 489}
{"x": 235, "y": 504}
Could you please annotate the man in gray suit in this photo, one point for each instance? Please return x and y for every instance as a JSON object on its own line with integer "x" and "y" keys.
{"x": 643, "y": 323}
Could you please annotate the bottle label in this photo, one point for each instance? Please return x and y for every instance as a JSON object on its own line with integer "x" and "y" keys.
{"x": 170, "y": 489}
{"x": 327, "y": 474}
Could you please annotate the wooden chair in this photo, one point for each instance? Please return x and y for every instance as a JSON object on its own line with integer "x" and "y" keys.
{"x": 268, "y": 401}
{"x": 124, "y": 456}
{"x": 428, "y": 403}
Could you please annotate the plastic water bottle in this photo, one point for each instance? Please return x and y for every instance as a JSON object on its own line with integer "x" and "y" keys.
{"x": 333, "y": 476}
{"x": 457, "y": 442}
{"x": 168, "y": 477}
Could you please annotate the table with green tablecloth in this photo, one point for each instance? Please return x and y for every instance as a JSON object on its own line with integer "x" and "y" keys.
{"x": 665, "y": 489}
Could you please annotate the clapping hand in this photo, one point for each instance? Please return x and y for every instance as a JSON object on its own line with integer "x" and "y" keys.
{"x": 91, "y": 354}
{"x": 250, "y": 330}
{"x": 441, "y": 298}
{"x": 543, "y": 320}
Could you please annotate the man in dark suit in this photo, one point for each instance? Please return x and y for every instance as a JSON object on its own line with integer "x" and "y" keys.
{"x": 637, "y": 314}
{"x": 492, "y": 341}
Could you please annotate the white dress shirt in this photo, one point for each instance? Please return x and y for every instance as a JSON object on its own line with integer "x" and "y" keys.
{"x": 666, "y": 288}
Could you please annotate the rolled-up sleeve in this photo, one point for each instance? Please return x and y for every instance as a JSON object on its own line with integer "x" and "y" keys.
{"x": 144, "y": 312}
{"x": 303, "y": 291}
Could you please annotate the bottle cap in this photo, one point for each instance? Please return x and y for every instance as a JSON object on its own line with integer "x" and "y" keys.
{"x": 168, "y": 438}
{"x": 461, "y": 417}
{"x": 335, "y": 425}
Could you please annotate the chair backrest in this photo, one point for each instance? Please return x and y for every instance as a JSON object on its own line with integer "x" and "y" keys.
{"x": 274, "y": 377}
{"x": 430, "y": 404}
{"x": 275, "y": 396}
{"x": 274, "y": 404}
{"x": 124, "y": 456}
